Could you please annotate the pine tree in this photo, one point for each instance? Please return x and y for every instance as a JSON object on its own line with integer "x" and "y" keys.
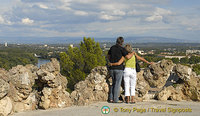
{"x": 78, "y": 62}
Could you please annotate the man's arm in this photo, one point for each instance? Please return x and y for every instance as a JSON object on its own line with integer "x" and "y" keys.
{"x": 118, "y": 63}
{"x": 129, "y": 56}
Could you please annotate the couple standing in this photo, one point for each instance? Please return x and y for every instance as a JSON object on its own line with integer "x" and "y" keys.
{"x": 117, "y": 55}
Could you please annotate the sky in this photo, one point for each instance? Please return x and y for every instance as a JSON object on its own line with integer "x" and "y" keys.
{"x": 178, "y": 19}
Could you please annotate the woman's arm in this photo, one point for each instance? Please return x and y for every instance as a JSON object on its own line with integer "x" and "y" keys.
{"x": 118, "y": 63}
{"x": 141, "y": 58}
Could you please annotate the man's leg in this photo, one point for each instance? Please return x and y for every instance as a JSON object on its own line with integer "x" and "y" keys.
{"x": 112, "y": 86}
{"x": 118, "y": 78}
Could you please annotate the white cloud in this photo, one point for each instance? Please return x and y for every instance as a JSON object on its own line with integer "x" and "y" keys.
{"x": 1, "y": 20}
{"x": 81, "y": 13}
{"x": 158, "y": 15}
{"x": 109, "y": 17}
{"x": 27, "y": 21}
{"x": 4, "y": 21}
{"x": 119, "y": 12}
{"x": 43, "y": 6}
{"x": 154, "y": 18}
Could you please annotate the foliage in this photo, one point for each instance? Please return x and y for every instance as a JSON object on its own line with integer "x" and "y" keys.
{"x": 175, "y": 60}
{"x": 194, "y": 60}
{"x": 76, "y": 63}
{"x": 10, "y": 57}
{"x": 196, "y": 68}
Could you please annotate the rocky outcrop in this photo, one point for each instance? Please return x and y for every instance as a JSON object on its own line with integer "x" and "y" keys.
{"x": 157, "y": 74}
{"x": 28, "y": 88}
{"x": 142, "y": 87}
{"x": 5, "y": 106}
{"x": 52, "y": 86}
{"x": 4, "y": 88}
{"x": 172, "y": 93}
{"x": 22, "y": 79}
{"x": 93, "y": 89}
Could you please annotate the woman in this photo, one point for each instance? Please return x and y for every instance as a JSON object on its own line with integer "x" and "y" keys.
{"x": 130, "y": 73}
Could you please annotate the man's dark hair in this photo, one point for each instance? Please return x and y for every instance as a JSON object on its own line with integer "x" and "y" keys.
{"x": 120, "y": 40}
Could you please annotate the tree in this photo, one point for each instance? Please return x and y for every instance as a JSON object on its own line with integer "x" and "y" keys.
{"x": 194, "y": 60}
{"x": 175, "y": 60}
{"x": 196, "y": 68}
{"x": 76, "y": 63}
{"x": 184, "y": 60}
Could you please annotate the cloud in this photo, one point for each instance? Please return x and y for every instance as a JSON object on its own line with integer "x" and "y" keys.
{"x": 158, "y": 15}
{"x": 43, "y": 6}
{"x": 4, "y": 21}
{"x": 81, "y": 13}
{"x": 27, "y": 21}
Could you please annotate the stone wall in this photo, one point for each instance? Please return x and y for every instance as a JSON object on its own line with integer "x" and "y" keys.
{"x": 24, "y": 88}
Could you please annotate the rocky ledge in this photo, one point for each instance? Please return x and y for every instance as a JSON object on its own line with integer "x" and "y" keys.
{"x": 24, "y": 88}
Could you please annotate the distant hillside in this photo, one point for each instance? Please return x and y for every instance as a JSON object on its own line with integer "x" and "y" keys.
{"x": 57, "y": 40}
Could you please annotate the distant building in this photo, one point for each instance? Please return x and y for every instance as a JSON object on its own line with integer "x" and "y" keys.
{"x": 45, "y": 45}
{"x": 6, "y": 44}
{"x": 192, "y": 51}
{"x": 141, "y": 52}
{"x": 71, "y": 45}
{"x": 179, "y": 57}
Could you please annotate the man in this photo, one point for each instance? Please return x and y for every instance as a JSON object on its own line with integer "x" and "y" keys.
{"x": 116, "y": 72}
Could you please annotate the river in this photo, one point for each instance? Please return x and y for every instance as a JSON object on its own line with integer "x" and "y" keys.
{"x": 42, "y": 61}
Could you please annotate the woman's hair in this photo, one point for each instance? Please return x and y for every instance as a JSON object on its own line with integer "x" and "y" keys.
{"x": 128, "y": 48}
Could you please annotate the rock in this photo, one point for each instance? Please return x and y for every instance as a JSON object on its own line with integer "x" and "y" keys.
{"x": 184, "y": 72}
{"x": 23, "y": 78}
{"x": 157, "y": 74}
{"x": 94, "y": 88}
{"x": 191, "y": 88}
{"x": 165, "y": 93}
{"x": 172, "y": 93}
{"x": 53, "y": 86}
{"x": 142, "y": 86}
{"x": 4, "y": 88}
{"x": 4, "y": 75}
{"x": 5, "y": 106}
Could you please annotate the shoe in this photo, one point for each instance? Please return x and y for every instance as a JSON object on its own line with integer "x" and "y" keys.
{"x": 118, "y": 102}
{"x": 110, "y": 101}
{"x": 132, "y": 102}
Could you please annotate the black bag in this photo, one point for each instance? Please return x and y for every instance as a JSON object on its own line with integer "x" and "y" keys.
{"x": 137, "y": 66}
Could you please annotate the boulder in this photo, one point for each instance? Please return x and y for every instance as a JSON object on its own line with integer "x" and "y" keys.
{"x": 4, "y": 75}
{"x": 52, "y": 86}
{"x": 94, "y": 88}
{"x": 191, "y": 88}
{"x": 157, "y": 74}
{"x": 172, "y": 93}
{"x": 142, "y": 86}
{"x": 184, "y": 72}
{"x": 5, "y": 106}
{"x": 4, "y": 88}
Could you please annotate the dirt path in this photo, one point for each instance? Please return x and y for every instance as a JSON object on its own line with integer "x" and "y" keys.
{"x": 146, "y": 108}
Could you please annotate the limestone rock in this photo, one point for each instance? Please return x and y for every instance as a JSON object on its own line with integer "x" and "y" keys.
{"x": 184, "y": 72}
{"x": 4, "y": 88}
{"x": 22, "y": 80}
{"x": 5, "y": 106}
{"x": 191, "y": 88}
{"x": 172, "y": 93}
{"x": 4, "y": 75}
{"x": 54, "y": 98}
{"x": 53, "y": 86}
{"x": 157, "y": 74}
{"x": 94, "y": 88}
{"x": 142, "y": 86}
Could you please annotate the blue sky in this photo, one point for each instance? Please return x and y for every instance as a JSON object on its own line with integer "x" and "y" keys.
{"x": 100, "y": 18}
